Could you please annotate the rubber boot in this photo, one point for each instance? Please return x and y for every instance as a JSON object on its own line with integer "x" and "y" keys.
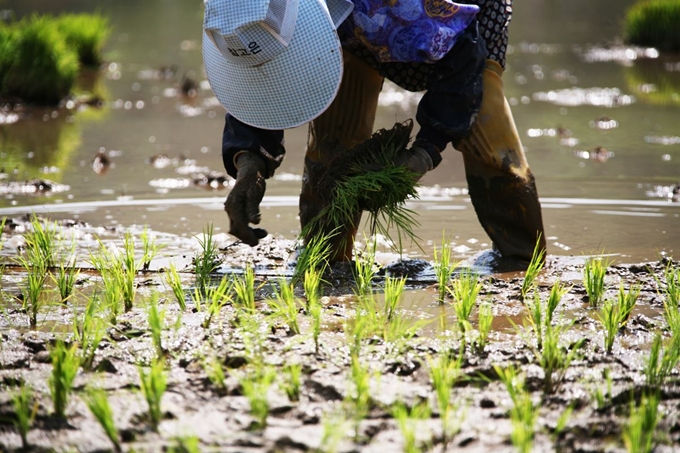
{"x": 500, "y": 183}
{"x": 348, "y": 121}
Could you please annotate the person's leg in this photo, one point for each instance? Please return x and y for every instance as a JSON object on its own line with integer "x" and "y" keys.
{"x": 347, "y": 122}
{"x": 500, "y": 182}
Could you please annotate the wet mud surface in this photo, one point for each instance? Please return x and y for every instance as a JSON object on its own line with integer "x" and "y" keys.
{"x": 215, "y": 415}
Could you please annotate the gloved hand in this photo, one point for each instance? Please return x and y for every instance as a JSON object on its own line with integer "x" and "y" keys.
{"x": 243, "y": 202}
{"x": 420, "y": 158}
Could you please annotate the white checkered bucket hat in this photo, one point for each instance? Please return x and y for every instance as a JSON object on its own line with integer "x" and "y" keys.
{"x": 274, "y": 64}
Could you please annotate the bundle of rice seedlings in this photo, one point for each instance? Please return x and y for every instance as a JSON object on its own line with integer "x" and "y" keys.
{"x": 86, "y": 33}
{"x": 365, "y": 179}
{"x": 37, "y": 64}
{"x": 654, "y": 23}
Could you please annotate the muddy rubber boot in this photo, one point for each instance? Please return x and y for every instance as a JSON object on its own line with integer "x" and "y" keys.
{"x": 500, "y": 182}
{"x": 347, "y": 122}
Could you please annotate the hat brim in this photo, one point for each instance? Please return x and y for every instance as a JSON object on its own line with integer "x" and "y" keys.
{"x": 290, "y": 90}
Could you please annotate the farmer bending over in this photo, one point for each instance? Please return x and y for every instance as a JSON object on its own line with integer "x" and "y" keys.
{"x": 278, "y": 64}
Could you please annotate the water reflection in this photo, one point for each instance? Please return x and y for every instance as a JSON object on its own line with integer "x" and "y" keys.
{"x": 655, "y": 82}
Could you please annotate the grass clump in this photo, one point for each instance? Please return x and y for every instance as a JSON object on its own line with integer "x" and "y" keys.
{"x": 156, "y": 320}
{"x": 653, "y": 23}
{"x": 443, "y": 267}
{"x": 292, "y": 381}
{"x": 535, "y": 267}
{"x": 408, "y": 421}
{"x": 98, "y": 403}
{"x": 65, "y": 365}
{"x": 615, "y": 315}
{"x": 244, "y": 287}
{"x": 444, "y": 373}
{"x": 484, "y": 323}
{"x": 284, "y": 305}
{"x": 255, "y": 387}
{"x": 65, "y": 279}
{"x": 217, "y": 297}
{"x": 662, "y": 360}
{"x": 464, "y": 290}
{"x": 205, "y": 262}
{"x": 173, "y": 280}
{"x": 89, "y": 332}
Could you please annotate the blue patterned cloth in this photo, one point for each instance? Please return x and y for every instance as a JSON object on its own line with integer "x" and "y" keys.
{"x": 406, "y": 30}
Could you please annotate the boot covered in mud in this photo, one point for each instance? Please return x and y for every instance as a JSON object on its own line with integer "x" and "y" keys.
{"x": 500, "y": 183}
{"x": 347, "y": 122}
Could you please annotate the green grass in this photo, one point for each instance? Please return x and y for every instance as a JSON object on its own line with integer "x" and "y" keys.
{"x": 364, "y": 270}
{"x": 244, "y": 287}
{"x": 25, "y": 408}
{"x": 615, "y": 315}
{"x": 149, "y": 249}
{"x": 484, "y": 323}
{"x": 185, "y": 444}
{"x": 359, "y": 398}
{"x": 394, "y": 289}
{"x": 89, "y": 332}
{"x": 34, "y": 286}
{"x": 215, "y": 372}
{"x": 65, "y": 365}
{"x": 153, "y": 383}
{"x": 86, "y": 34}
{"x": 314, "y": 255}
{"x": 594, "y": 273}
{"x": 38, "y": 65}
{"x": 653, "y": 23}
{"x": 554, "y": 359}
{"x": 41, "y": 239}
{"x": 217, "y": 298}
{"x": 98, "y": 403}
{"x": 65, "y": 279}
{"x": 662, "y": 360}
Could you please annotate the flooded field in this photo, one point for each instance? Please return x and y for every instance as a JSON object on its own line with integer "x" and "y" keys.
{"x": 599, "y": 122}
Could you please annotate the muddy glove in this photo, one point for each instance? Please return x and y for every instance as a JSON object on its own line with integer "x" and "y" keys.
{"x": 243, "y": 203}
{"x": 420, "y": 158}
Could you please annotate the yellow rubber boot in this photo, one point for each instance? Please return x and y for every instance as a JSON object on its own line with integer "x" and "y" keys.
{"x": 501, "y": 186}
{"x": 348, "y": 121}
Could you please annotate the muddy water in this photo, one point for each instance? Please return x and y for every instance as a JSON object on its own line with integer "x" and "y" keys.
{"x": 600, "y": 124}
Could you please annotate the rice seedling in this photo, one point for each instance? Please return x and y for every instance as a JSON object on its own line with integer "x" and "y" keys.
{"x": 535, "y": 267}
{"x": 156, "y": 320}
{"x": 670, "y": 284}
{"x": 314, "y": 309}
{"x": 610, "y": 315}
{"x": 408, "y": 421}
{"x": 364, "y": 270}
{"x": 444, "y": 373}
{"x": 119, "y": 285}
{"x": 650, "y": 24}
{"x": 464, "y": 290}
{"x": 98, "y": 403}
{"x": 153, "y": 384}
{"x": 255, "y": 387}
{"x": 292, "y": 381}
{"x": 557, "y": 293}
{"x": 394, "y": 289}
{"x": 603, "y": 397}
{"x": 185, "y": 444}
{"x": 312, "y": 285}
{"x": 484, "y": 322}
{"x": 33, "y": 288}
{"x": 627, "y": 301}
{"x": 173, "y": 280}
{"x": 38, "y": 65}
{"x": 129, "y": 271}
{"x": 41, "y": 240}
{"x": 523, "y": 413}
{"x": 218, "y": 297}
{"x": 249, "y": 329}
{"x": 112, "y": 298}
{"x": 554, "y": 359}
{"x": 285, "y": 306}
{"x": 205, "y": 262}
{"x": 244, "y": 287}
{"x": 215, "y": 372}
{"x": 360, "y": 398}
{"x": 335, "y": 427}
{"x": 25, "y": 407}
{"x": 86, "y": 33}
{"x": 65, "y": 364}
{"x": 149, "y": 249}
{"x": 536, "y": 319}
{"x": 672, "y": 316}
{"x": 638, "y": 433}
{"x": 65, "y": 279}
{"x": 314, "y": 255}
{"x": 443, "y": 267}
{"x": 89, "y": 332}
{"x": 662, "y": 360}
{"x": 594, "y": 273}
